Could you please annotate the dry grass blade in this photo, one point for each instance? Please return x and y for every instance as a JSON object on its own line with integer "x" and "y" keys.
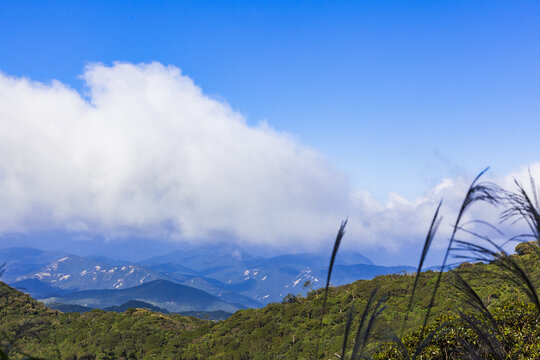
{"x": 401, "y": 347}
{"x": 477, "y": 192}
{"x": 512, "y": 270}
{"x": 523, "y": 206}
{"x": 520, "y": 278}
{"x": 427, "y": 340}
{"x": 496, "y": 349}
{"x": 420, "y": 346}
{"x": 472, "y": 298}
{"x": 362, "y": 321}
{"x": 470, "y": 352}
{"x": 339, "y": 237}
{"x": 350, "y": 317}
{"x": 379, "y": 308}
{"x": 337, "y": 242}
{"x": 435, "y": 222}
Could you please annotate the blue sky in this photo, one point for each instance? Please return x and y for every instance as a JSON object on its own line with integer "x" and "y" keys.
{"x": 396, "y": 95}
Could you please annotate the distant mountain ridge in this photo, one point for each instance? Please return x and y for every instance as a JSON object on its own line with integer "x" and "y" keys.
{"x": 38, "y": 289}
{"x": 225, "y": 271}
{"x": 135, "y": 304}
{"x": 22, "y": 260}
{"x": 262, "y": 279}
{"x": 164, "y": 294}
{"x": 69, "y": 273}
{"x": 269, "y": 279}
{"x": 76, "y": 273}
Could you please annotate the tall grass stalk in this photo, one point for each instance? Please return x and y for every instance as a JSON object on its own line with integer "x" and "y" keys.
{"x": 476, "y": 192}
{"x": 524, "y": 206}
{"x": 363, "y": 319}
{"x": 337, "y": 243}
{"x": 435, "y": 222}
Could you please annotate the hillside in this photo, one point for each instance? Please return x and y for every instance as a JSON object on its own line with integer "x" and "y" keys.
{"x": 295, "y": 325}
{"x": 290, "y": 330}
{"x": 29, "y": 327}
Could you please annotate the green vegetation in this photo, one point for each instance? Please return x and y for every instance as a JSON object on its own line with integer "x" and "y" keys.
{"x": 520, "y": 333}
{"x": 485, "y": 309}
{"x": 28, "y": 327}
{"x": 288, "y": 330}
{"x": 294, "y": 326}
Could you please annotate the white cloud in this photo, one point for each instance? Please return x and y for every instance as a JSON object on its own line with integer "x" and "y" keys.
{"x": 151, "y": 153}
{"x": 401, "y": 224}
{"x": 148, "y": 153}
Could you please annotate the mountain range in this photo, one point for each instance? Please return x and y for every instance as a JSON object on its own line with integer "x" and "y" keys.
{"x": 226, "y": 272}
{"x": 163, "y": 294}
{"x": 136, "y": 304}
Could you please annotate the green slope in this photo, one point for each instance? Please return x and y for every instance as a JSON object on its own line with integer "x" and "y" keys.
{"x": 29, "y": 327}
{"x": 281, "y": 330}
{"x": 295, "y": 326}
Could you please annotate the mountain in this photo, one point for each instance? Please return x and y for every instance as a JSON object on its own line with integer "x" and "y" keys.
{"x": 225, "y": 271}
{"x": 350, "y": 257}
{"x": 206, "y": 315}
{"x": 269, "y": 279}
{"x": 346, "y": 274}
{"x": 38, "y": 289}
{"x": 168, "y": 295}
{"x": 132, "y": 304}
{"x": 264, "y": 280}
{"x": 221, "y": 291}
{"x": 22, "y": 260}
{"x": 293, "y": 329}
{"x": 70, "y": 273}
{"x": 190, "y": 277}
{"x": 135, "y": 304}
{"x": 27, "y": 255}
{"x": 77, "y": 273}
{"x": 109, "y": 261}
{"x": 68, "y": 308}
{"x": 203, "y": 257}
{"x": 176, "y": 271}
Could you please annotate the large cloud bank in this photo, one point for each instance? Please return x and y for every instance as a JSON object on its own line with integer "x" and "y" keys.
{"x": 146, "y": 152}
{"x": 150, "y": 153}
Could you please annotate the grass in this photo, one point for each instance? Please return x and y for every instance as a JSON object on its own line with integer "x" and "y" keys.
{"x": 520, "y": 205}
